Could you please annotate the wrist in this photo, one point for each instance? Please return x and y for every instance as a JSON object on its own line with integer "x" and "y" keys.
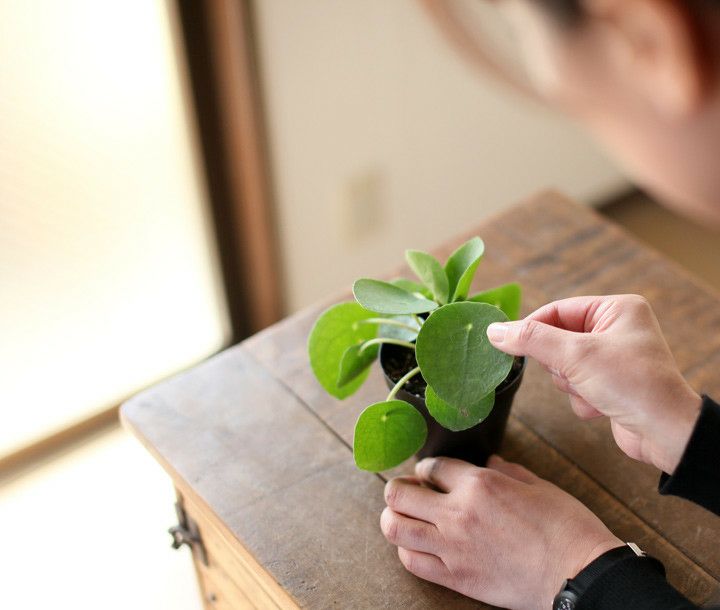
{"x": 612, "y": 578}
{"x": 612, "y": 542}
{"x": 576, "y": 562}
{"x": 670, "y": 437}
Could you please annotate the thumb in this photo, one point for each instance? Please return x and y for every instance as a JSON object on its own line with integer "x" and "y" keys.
{"x": 553, "y": 347}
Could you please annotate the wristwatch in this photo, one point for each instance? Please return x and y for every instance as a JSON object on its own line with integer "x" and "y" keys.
{"x": 573, "y": 589}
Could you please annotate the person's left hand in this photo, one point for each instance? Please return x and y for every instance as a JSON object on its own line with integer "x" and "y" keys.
{"x": 499, "y": 534}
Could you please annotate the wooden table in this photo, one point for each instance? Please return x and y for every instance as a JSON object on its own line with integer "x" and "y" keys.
{"x": 261, "y": 456}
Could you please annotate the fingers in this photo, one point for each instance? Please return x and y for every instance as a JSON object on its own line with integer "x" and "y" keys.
{"x": 448, "y": 473}
{"x": 552, "y": 347}
{"x": 556, "y": 349}
{"x": 408, "y": 533}
{"x": 561, "y": 382}
{"x": 560, "y": 332}
{"x": 444, "y": 473}
{"x": 581, "y": 314}
{"x": 425, "y": 566}
{"x": 405, "y": 495}
{"x": 520, "y": 473}
{"x": 577, "y": 314}
{"x": 583, "y": 409}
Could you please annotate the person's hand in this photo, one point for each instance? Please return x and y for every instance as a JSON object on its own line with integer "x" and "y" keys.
{"x": 499, "y": 534}
{"x": 609, "y": 355}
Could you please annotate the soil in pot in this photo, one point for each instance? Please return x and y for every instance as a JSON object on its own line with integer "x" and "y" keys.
{"x": 474, "y": 445}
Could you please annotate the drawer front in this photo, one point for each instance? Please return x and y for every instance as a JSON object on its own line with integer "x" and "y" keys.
{"x": 219, "y": 592}
{"x": 231, "y": 579}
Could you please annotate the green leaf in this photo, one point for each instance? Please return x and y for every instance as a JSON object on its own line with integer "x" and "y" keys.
{"x": 411, "y": 287}
{"x": 383, "y": 297}
{"x": 461, "y": 266}
{"x": 455, "y": 356}
{"x": 430, "y": 271}
{"x": 507, "y": 297}
{"x": 355, "y": 361}
{"x": 386, "y": 434}
{"x": 390, "y": 331}
{"x": 458, "y": 418}
{"x": 334, "y": 332}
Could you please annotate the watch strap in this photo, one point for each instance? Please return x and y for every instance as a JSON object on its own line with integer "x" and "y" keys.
{"x": 582, "y": 586}
{"x": 595, "y": 568}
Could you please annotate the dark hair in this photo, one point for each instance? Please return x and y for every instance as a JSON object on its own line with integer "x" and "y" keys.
{"x": 570, "y": 11}
{"x": 567, "y": 11}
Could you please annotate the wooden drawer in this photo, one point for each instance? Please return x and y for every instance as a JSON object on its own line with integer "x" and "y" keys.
{"x": 229, "y": 577}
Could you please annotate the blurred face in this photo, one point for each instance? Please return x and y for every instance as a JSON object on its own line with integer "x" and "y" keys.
{"x": 642, "y": 76}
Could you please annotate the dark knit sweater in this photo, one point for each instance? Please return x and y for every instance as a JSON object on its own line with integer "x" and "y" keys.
{"x": 634, "y": 583}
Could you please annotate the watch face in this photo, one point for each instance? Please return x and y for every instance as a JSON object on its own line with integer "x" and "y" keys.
{"x": 565, "y": 600}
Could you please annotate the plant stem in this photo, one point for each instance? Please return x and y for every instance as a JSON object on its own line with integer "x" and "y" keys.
{"x": 389, "y": 322}
{"x": 418, "y": 319}
{"x": 401, "y": 383}
{"x": 380, "y": 340}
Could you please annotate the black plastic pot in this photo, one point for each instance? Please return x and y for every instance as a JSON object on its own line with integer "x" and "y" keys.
{"x": 474, "y": 445}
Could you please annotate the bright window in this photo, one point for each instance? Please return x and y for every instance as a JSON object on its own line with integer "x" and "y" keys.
{"x": 108, "y": 273}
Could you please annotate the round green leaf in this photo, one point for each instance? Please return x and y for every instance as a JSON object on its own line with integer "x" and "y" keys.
{"x": 354, "y": 362}
{"x": 461, "y": 266}
{"x": 390, "y": 331}
{"x": 386, "y": 434}
{"x": 458, "y": 418}
{"x": 431, "y": 272}
{"x": 507, "y": 297}
{"x": 411, "y": 287}
{"x": 383, "y": 297}
{"x": 455, "y": 356}
{"x": 334, "y": 332}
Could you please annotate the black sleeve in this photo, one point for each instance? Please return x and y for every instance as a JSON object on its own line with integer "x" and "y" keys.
{"x": 636, "y": 583}
{"x": 697, "y": 477}
{"x": 632, "y": 582}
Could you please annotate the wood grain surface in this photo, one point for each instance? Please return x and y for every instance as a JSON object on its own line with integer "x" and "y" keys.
{"x": 261, "y": 447}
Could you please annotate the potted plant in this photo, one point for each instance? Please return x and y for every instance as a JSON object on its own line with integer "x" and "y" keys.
{"x": 450, "y": 389}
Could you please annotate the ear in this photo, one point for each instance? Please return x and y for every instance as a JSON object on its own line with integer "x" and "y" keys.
{"x": 661, "y": 50}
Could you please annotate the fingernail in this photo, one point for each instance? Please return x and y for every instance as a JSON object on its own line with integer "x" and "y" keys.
{"x": 496, "y": 332}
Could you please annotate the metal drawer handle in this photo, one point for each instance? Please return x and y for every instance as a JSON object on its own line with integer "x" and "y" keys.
{"x": 186, "y": 532}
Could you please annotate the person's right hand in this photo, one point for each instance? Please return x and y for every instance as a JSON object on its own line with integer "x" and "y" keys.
{"x": 609, "y": 355}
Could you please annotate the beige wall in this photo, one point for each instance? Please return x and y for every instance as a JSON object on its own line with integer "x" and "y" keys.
{"x": 382, "y": 139}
